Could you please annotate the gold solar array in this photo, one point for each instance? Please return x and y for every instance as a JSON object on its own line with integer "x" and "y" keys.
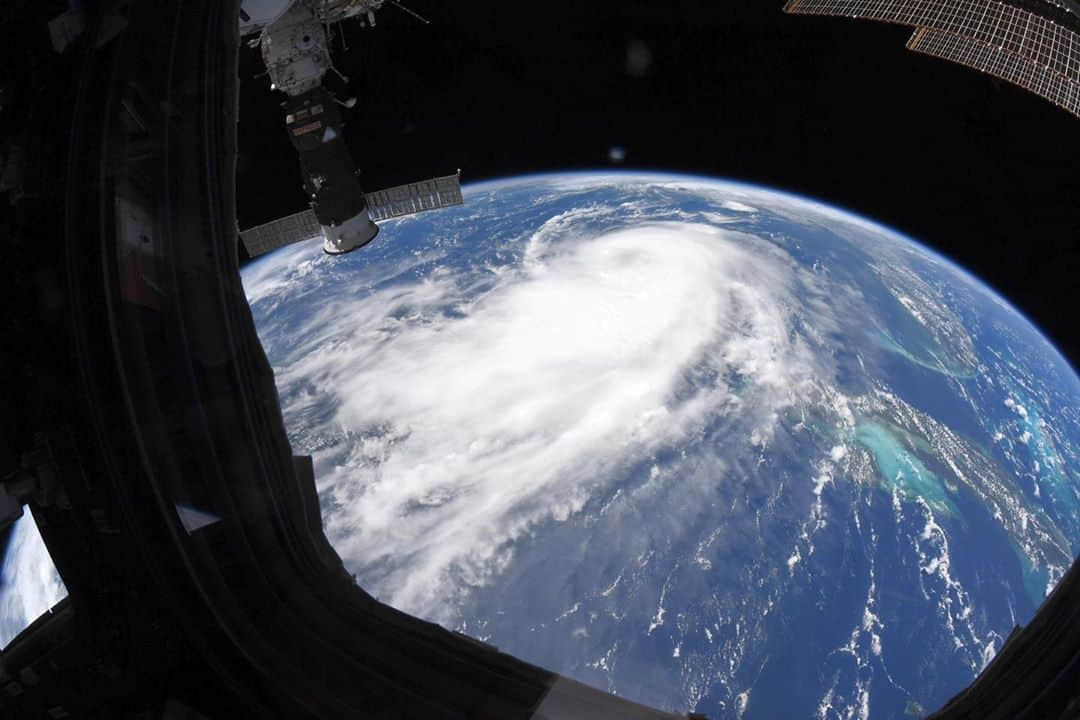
{"x": 999, "y": 63}
{"x": 1005, "y": 41}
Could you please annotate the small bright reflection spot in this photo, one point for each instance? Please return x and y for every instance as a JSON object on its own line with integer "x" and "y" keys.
{"x": 29, "y": 582}
{"x": 616, "y": 153}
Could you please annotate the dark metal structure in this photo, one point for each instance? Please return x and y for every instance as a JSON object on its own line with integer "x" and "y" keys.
{"x": 1036, "y": 674}
{"x": 317, "y": 132}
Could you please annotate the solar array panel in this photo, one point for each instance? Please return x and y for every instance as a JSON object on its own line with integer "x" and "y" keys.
{"x": 392, "y": 202}
{"x": 1069, "y": 6}
{"x": 415, "y": 197}
{"x": 992, "y": 23}
{"x": 1006, "y": 41}
{"x": 261, "y": 239}
{"x": 999, "y": 63}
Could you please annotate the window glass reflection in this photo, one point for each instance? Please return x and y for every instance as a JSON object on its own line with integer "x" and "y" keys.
{"x": 29, "y": 582}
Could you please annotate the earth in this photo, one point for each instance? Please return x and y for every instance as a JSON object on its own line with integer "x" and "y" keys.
{"x": 708, "y": 446}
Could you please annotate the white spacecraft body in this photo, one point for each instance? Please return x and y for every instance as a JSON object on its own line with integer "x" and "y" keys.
{"x": 292, "y": 37}
{"x": 355, "y": 232}
{"x": 295, "y": 51}
{"x": 257, "y": 14}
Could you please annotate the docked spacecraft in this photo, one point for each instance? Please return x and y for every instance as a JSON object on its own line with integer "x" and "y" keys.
{"x": 294, "y": 41}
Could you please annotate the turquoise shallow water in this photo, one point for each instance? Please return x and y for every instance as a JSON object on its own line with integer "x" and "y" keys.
{"x": 929, "y": 361}
{"x": 901, "y": 469}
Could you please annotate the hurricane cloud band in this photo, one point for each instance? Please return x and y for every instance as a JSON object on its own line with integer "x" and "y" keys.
{"x": 461, "y": 422}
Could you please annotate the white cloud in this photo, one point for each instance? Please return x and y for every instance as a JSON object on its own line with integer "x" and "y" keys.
{"x": 30, "y": 583}
{"x": 457, "y": 432}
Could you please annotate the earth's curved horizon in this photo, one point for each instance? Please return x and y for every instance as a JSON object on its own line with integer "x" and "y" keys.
{"x": 704, "y": 444}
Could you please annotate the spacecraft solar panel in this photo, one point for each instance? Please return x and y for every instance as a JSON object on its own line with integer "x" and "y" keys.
{"x": 391, "y": 202}
{"x": 1069, "y": 6}
{"x": 415, "y": 197}
{"x": 999, "y": 63}
{"x": 261, "y": 239}
{"x": 1031, "y": 37}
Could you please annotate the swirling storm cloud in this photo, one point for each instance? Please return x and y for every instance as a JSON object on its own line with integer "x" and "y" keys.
{"x": 680, "y": 439}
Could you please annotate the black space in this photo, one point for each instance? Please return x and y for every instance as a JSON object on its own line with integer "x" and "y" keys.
{"x": 835, "y": 109}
